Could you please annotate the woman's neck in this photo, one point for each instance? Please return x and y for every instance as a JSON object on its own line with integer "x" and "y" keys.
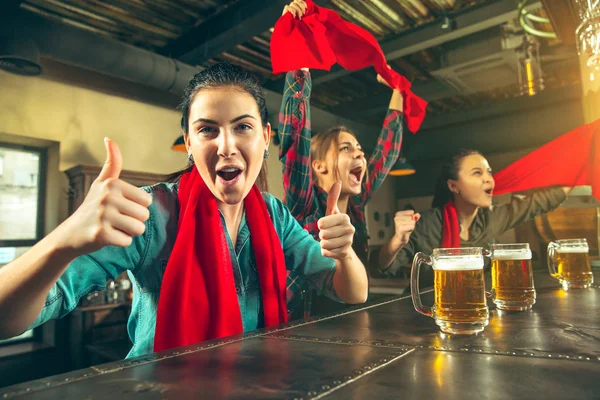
{"x": 233, "y": 217}
{"x": 343, "y": 199}
{"x": 343, "y": 203}
{"x": 466, "y": 215}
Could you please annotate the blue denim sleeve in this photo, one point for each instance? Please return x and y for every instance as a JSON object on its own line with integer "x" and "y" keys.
{"x": 90, "y": 272}
{"x": 302, "y": 252}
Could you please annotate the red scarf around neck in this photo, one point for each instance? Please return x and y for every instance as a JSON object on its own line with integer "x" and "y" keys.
{"x": 322, "y": 38}
{"x": 198, "y": 300}
{"x": 450, "y": 227}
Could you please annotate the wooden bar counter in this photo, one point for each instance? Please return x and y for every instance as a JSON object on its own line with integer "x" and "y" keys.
{"x": 381, "y": 351}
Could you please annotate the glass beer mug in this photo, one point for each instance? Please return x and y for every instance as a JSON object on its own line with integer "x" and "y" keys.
{"x": 512, "y": 276}
{"x": 569, "y": 262}
{"x": 459, "y": 291}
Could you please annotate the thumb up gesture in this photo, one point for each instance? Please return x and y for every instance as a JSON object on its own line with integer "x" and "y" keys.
{"x": 112, "y": 213}
{"x": 335, "y": 230}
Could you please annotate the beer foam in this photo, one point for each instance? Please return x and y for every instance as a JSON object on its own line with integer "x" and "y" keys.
{"x": 568, "y": 249}
{"x": 459, "y": 263}
{"x": 512, "y": 254}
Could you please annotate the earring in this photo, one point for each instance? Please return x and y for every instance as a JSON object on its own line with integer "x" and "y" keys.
{"x": 266, "y": 154}
{"x": 190, "y": 159}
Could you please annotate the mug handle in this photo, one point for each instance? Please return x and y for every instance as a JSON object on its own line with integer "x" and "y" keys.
{"x": 552, "y": 246}
{"x": 419, "y": 259}
{"x": 490, "y": 294}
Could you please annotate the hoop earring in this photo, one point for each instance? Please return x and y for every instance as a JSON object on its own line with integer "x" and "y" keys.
{"x": 190, "y": 159}
{"x": 266, "y": 154}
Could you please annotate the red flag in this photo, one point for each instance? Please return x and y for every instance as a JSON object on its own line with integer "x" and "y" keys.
{"x": 572, "y": 159}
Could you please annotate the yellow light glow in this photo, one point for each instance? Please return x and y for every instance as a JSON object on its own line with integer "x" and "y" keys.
{"x": 562, "y": 294}
{"x": 402, "y": 172}
{"x": 529, "y": 73}
{"x": 438, "y": 369}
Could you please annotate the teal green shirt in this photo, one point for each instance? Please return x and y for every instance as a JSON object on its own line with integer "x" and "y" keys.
{"x": 146, "y": 258}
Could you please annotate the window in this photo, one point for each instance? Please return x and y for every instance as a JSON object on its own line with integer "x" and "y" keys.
{"x": 22, "y": 193}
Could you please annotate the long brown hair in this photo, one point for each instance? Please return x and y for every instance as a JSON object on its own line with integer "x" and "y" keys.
{"x": 223, "y": 74}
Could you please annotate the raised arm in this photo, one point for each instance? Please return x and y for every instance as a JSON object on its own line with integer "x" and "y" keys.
{"x": 522, "y": 208}
{"x": 294, "y": 151}
{"x": 387, "y": 150}
{"x": 336, "y": 234}
{"x": 295, "y": 134}
{"x": 112, "y": 213}
{"x": 404, "y": 223}
{"x": 330, "y": 265}
{"x": 426, "y": 236}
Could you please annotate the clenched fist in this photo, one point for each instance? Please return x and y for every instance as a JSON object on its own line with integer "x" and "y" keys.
{"x": 297, "y": 8}
{"x": 405, "y": 222}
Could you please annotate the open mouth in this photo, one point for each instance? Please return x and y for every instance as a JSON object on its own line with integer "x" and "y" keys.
{"x": 355, "y": 174}
{"x": 229, "y": 173}
{"x": 489, "y": 191}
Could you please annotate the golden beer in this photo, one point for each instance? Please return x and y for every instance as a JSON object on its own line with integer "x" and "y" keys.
{"x": 512, "y": 277}
{"x": 573, "y": 265}
{"x": 512, "y": 281}
{"x": 460, "y": 295}
{"x": 459, "y": 292}
{"x": 569, "y": 262}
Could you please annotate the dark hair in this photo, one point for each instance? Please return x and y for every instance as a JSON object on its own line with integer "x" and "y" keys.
{"x": 321, "y": 142}
{"x": 450, "y": 167}
{"x": 221, "y": 75}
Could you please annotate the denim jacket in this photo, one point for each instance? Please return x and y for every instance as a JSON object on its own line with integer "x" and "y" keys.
{"x": 146, "y": 258}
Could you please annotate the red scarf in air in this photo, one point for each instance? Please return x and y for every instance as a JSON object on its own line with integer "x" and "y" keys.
{"x": 198, "y": 300}
{"x": 322, "y": 38}
{"x": 572, "y": 159}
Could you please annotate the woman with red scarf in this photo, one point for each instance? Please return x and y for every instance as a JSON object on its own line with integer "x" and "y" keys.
{"x": 207, "y": 253}
{"x": 462, "y": 214}
{"x": 312, "y": 162}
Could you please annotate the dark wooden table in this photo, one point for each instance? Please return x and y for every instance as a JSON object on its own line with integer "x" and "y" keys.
{"x": 381, "y": 351}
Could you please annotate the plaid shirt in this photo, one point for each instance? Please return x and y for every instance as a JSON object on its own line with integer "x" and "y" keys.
{"x": 308, "y": 202}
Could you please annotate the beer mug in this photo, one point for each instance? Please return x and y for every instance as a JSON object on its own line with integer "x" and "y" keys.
{"x": 459, "y": 291}
{"x": 569, "y": 262}
{"x": 512, "y": 276}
